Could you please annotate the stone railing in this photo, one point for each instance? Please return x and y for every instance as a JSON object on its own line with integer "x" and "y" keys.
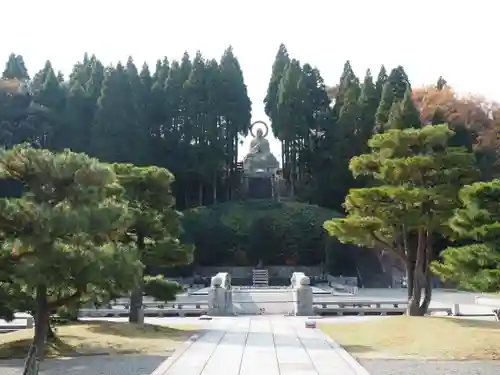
{"x": 150, "y": 309}
{"x": 369, "y": 307}
{"x": 343, "y": 284}
{"x": 490, "y": 301}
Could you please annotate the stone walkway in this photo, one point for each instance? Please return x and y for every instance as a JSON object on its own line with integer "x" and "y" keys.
{"x": 263, "y": 346}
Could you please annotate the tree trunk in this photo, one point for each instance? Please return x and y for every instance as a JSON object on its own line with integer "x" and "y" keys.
{"x": 410, "y": 251}
{"x": 410, "y": 271}
{"x": 214, "y": 193}
{"x": 427, "y": 275}
{"x": 31, "y": 363}
{"x": 200, "y": 193}
{"x": 41, "y": 319}
{"x": 50, "y": 332}
{"x": 427, "y": 294}
{"x": 136, "y": 314}
{"x": 414, "y": 308}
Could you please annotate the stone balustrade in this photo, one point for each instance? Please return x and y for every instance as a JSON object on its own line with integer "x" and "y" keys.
{"x": 151, "y": 309}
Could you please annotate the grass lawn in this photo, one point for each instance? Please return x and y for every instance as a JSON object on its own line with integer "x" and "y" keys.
{"x": 98, "y": 338}
{"x": 405, "y": 337}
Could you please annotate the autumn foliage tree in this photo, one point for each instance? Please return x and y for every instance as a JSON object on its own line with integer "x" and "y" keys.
{"x": 474, "y": 119}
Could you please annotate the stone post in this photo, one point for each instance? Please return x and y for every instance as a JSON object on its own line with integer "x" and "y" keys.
{"x": 220, "y": 301}
{"x": 302, "y": 295}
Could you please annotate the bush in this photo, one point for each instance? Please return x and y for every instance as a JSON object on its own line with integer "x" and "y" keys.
{"x": 242, "y": 233}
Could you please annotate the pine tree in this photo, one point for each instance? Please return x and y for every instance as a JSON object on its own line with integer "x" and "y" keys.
{"x": 475, "y": 266}
{"x": 417, "y": 179}
{"x": 59, "y": 236}
{"x": 154, "y": 227}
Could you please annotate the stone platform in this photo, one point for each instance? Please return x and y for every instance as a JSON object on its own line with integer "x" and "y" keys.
{"x": 264, "y": 346}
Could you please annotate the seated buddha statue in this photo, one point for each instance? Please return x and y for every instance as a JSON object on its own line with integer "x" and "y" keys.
{"x": 259, "y": 157}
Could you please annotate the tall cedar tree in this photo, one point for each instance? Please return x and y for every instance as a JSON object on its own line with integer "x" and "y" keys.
{"x": 15, "y": 68}
{"x": 271, "y": 100}
{"x": 393, "y": 91}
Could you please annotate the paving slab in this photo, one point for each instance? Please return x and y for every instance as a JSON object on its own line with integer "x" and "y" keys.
{"x": 263, "y": 345}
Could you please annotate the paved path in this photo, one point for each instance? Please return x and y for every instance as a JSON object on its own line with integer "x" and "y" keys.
{"x": 263, "y": 346}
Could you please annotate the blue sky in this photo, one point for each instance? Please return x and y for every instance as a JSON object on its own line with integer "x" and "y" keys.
{"x": 429, "y": 38}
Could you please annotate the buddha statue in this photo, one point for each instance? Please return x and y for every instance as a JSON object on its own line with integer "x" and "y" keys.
{"x": 259, "y": 157}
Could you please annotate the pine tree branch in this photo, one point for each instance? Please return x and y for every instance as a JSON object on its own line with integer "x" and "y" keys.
{"x": 65, "y": 300}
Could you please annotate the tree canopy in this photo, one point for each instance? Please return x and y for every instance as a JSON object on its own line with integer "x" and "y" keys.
{"x": 417, "y": 177}
{"x": 60, "y": 236}
{"x": 186, "y": 116}
{"x": 476, "y": 265}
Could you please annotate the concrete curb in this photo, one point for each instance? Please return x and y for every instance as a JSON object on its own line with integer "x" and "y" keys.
{"x": 166, "y": 364}
{"x": 349, "y": 359}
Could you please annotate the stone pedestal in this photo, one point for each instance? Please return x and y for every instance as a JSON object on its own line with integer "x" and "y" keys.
{"x": 302, "y": 295}
{"x": 260, "y": 185}
{"x": 220, "y": 296}
{"x": 259, "y": 188}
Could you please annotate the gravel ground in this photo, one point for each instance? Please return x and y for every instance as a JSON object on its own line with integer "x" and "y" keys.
{"x": 98, "y": 365}
{"x": 420, "y": 367}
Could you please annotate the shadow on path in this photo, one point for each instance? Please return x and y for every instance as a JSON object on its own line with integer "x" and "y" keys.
{"x": 96, "y": 365}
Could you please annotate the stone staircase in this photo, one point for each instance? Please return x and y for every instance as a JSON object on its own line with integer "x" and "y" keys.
{"x": 260, "y": 277}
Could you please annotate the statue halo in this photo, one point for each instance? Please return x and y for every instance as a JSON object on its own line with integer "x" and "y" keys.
{"x": 265, "y": 127}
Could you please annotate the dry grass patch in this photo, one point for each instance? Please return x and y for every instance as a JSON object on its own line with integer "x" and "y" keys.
{"x": 418, "y": 337}
{"x": 98, "y": 338}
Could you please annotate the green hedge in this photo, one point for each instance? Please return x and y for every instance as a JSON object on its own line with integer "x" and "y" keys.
{"x": 242, "y": 233}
